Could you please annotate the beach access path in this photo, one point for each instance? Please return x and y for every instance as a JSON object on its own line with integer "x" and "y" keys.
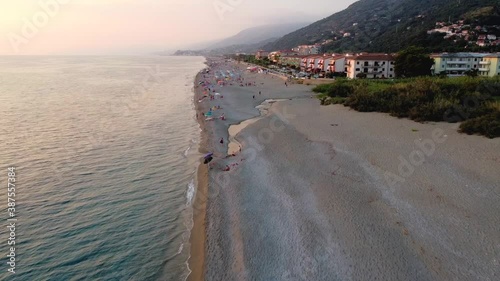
{"x": 328, "y": 193}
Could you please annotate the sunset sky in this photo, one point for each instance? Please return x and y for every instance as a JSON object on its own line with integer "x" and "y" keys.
{"x": 91, "y": 27}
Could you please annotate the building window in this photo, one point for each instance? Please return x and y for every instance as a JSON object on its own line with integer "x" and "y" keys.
{"x": 366, "y": 70}
{"x": 357, "y": 69}
{"x": 357, "y": 62}
{"x": 366, "y": 63}
{"x": 475, "y": 59}
{"x": 383, "y": 69}
{"x": 391, "y": 69}
{"x": 442, "y": 66}
{"x": 376, "y": 69}
{"x": 390, "y": 75}
{"x": 475, "y": 66}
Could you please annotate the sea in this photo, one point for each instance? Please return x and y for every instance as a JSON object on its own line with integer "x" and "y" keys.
{"x": 105, "y": 152}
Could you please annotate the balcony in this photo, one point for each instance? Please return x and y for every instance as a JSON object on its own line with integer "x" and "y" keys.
{"x": 457, "y": 68}
{"x": 485, "y": 62}
{"x": 456, "y": 62}
{"x": 372, "y": 66}
{"x": 374, "y": 72}
{"x": 487, "y": 69}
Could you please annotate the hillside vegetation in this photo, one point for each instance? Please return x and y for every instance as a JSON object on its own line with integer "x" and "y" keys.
{"x": 391, "y": 25}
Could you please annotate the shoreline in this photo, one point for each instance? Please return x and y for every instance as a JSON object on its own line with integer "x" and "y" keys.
{"x": 198, "y": 232}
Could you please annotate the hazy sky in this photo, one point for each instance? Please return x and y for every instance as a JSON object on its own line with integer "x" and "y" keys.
{"x": 40, "y": 27}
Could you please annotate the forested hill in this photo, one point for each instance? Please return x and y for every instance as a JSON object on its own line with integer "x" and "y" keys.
{"x": 389, "y": 25}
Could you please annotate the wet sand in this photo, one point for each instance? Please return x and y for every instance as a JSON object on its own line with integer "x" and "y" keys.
{"x": 327, "y": 193}
{"x": 198, "y": 233}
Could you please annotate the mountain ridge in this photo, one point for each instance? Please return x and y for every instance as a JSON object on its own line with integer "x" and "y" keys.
{"x": 379, "y": 25}
{"x": 258, "y": 34}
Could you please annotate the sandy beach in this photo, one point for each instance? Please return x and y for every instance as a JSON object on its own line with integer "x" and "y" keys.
{"x": 328, "y": 193}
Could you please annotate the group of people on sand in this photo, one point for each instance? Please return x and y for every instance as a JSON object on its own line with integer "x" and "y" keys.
{"x": 234, "y": 154}
{"x": 213, "y": 79}
{"x": 248, "y": 84}
{"x": 228, "y": 167}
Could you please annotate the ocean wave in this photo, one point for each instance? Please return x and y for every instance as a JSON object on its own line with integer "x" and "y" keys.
{"x": 190, "y": 193}
{"x": 186, "y": 152}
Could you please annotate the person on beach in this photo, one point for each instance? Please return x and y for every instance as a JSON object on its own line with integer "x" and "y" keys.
{"x": 259, "y": 93}
{"x": 253, "y": 96}
{"x": 221, "y": 141}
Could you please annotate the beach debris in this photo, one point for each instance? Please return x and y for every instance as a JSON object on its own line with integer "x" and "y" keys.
{"x": 334, "y": 125}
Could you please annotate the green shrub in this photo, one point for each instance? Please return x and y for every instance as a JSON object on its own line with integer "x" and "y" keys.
{"x": 433, "y": 111}
{"x": 488, "y": 125}
{"x": 422, "y": 99}
{"x": 323, "y": 88}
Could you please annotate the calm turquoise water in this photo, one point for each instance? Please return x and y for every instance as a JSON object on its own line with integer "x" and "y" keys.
{"x": 106, "y": 152}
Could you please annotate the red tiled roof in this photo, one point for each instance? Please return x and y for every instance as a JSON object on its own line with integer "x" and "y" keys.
{"x": 373, "y": 56}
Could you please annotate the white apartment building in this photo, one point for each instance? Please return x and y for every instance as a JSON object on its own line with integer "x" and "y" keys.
{"x": 457, "y": 64}
{"x": 372, "y": 65}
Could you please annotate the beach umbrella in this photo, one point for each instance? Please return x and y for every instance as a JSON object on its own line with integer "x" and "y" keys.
{"x": 208, "y": 158}
{"x": 217, "y": 94}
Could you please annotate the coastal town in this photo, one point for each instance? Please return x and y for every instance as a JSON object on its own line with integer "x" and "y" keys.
{"x": 472, "y": 34}
{"x": 306, "y": 61}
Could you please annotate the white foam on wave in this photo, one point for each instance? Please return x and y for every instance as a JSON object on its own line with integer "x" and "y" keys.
{"x": 189, "y": 224}
{"x": 186, "y": 152}
{"x": 190, "y": 192}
